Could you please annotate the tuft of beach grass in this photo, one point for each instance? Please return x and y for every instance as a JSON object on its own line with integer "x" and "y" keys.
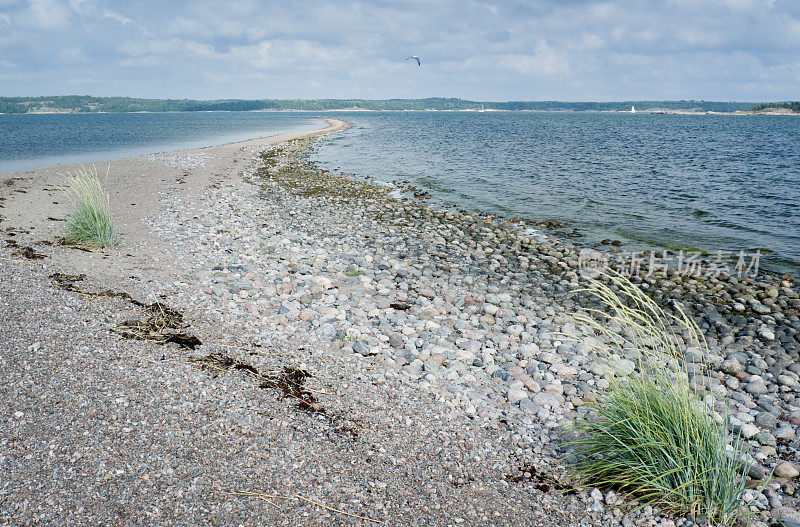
{"x": 649, "y": 434}
{"x": 90, "y": 220}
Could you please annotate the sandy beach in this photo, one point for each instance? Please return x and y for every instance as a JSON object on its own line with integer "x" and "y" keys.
{"x": 338, "y": 356}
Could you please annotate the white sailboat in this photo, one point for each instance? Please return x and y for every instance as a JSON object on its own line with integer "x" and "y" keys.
{"x": 633, "y": 110}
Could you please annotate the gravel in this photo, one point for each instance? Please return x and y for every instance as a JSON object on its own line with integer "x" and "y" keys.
{"x": 434, "y": 340}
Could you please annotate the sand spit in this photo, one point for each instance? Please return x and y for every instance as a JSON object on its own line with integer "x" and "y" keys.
{"x": 358, "y": 358}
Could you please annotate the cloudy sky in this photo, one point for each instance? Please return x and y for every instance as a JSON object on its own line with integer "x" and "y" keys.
{"x": 488, "y": 50}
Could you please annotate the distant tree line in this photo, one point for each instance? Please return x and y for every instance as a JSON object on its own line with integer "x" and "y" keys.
{"x": 86, "y": 103}
{"x": 793, "y": 106}
{"x": 12, "y": 107}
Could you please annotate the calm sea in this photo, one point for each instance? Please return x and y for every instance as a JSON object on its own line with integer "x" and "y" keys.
{"x": 30, "y": 141}
{"x": 713, "y": 183}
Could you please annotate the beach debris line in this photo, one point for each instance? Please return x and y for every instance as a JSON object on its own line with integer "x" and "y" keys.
{"x": 162, "y": 324}
{"x": 29, "y": 253}
{"x": 282, "y": 167}
{"x": 14, "y": 231}
{"x": 67, "y": 281}
{"x": 23, "y": 251}
{"x": 64, "y": 242}
{"x": 290, "y": 381}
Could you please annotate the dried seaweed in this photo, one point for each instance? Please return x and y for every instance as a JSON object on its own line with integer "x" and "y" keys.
{"x": 162, "y": 324}
{"x": 29, "y": 253}
{"x": 541, "y": 481}
{"x": 67, "y": 281}
{"x": 289, "y": 381}
{"x": 76, "y": 245}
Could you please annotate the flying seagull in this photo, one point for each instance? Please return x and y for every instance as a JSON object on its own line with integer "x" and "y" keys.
{"x": 414, "y": 57}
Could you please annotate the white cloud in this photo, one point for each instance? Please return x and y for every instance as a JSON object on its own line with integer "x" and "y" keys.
{"x": 47, "y": 15}
{"x": 301, "y": 54}
{"x": 544, "y": 61}
{"x": 115, "y": 16}
{"x": 91, "y": 9}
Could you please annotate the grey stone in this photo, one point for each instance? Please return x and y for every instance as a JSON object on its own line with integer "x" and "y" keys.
{"x": 502, "y": 374}
{"x": 549, "y": 358}
{"x": 528, "y": 406}
{"x": 755, "y": 472}
{"x": 756, "y": 387}
{"x": 516, "y": 394}
{"x": 432, "y": 366}
{"x": 548, "y": 399}
{"x": 396, "y": 340}
{"x": 327, "y": 329}
{"x": 748, "y": 430}
{"x": 765, "y": 438}
{"x": 362, "y": 348}
{"x": 767, "y": 420}
{"x": 785, "y": 432}
{"x": 731, "y": 366}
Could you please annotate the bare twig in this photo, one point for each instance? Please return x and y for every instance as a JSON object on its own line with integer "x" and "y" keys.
{"x": 298, "y": 496}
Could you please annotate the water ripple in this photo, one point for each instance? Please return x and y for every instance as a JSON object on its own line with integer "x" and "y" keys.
{"x": 710, "y": 182}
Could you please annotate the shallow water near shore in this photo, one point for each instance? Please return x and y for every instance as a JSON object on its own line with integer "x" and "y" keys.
{"x": 32, "y": 141}
{"x": 713, "y": 183}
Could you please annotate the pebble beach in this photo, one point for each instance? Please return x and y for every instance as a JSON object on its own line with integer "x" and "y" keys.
{"x": 439, "y": 361}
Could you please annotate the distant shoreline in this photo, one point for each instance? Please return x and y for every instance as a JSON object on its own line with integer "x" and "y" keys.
{"x": 91, "y": 104}
{"x": 776, "y": 112}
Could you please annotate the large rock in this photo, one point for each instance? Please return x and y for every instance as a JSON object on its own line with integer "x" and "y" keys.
{"x": 548, "y": 399}
{"x": 786, "y": 469}
{"x": 731, "y": 366}
{"x": 528, "y": 406}
{"x": 516, "y": 394}
{"x": 749, "y": 430}
{"x": 549, "y": 358}
{"x": 756, "y": 387}
{"x": 363, "y": 348}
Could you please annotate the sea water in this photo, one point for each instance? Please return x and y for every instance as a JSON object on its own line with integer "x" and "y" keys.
{"x": 707, "y": 182}
{"x": 37, "y": 140}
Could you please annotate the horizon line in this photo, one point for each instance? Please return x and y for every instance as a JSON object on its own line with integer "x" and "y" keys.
{"x": 571, "y": 101}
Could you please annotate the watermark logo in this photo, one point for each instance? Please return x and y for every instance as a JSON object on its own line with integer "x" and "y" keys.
{"x": 692, "y": 264}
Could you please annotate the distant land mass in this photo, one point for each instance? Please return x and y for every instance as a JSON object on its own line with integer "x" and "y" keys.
{"x": 793, "y": 107}
{"x": 89, "y": 104}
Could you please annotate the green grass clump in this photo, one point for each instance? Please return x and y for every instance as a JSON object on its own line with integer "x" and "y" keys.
{"x": 90, "y": 220}
{"x": 649, "y": 434}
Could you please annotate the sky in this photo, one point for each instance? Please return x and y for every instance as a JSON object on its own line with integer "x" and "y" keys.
{"x": 575, "y": 50}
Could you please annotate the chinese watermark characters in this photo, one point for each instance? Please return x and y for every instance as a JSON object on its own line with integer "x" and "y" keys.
{"x": 691, "y": 264}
